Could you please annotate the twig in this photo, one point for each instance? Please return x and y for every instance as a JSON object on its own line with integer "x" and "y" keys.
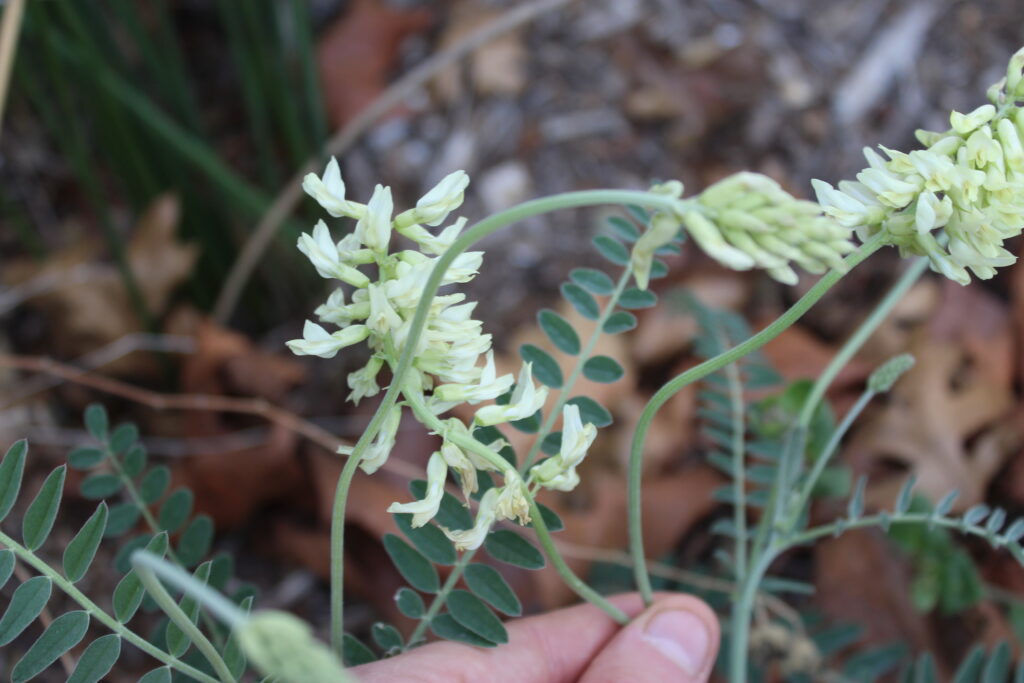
{"x": 10, "y": 29}
{"x": 115, "y": 350}
{"x": 49, "y": 281}
{"x": 289, "y": 197}
{"x": 204, "y": 402}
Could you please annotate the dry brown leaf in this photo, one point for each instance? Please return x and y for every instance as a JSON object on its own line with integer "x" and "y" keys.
{"x": 86, "y": 315}
{"x": 358, "y": 52}
{"x": 943, "y": 419}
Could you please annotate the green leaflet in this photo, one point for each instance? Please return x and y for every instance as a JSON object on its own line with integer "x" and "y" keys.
{"x": 28, "y": 601}
{"x": 79, "y": 552}
{"x": 386, "y": 636}
{"x": 489, "y": 585}
{"x": 559, "y": 331}
{"x": 602, "y": 369}
{"x": 354, "y": 653}
{"x": 410, "y": 603}
{"x": 509, "y": 547}
{"x": 414, "y": 567}
{"x": 97, "y": 660}
{"x": 41, "y": 513}
{"x": 64, "y": 633}
{"x": 545, "y": 368}
{"x": 445, "y": 626}
{"x": 471, "y": 612}
{"x": 96, "y": 421}
{"x": 594, "y": 281}
{"x": 11, "y": 470}
{"x": 176, "y": 510}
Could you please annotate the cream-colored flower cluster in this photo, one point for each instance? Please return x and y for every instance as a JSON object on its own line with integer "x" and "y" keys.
{"x": 747, "y": 220}
{"x": 453, "y": 360}
{"x": 966, "y": 188}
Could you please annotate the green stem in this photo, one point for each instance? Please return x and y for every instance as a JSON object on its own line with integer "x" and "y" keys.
{"x": 742, "y": 608}
{"x": 830, "y": 448}
{"x": 338, "y": 532}
{"x": 739, "y": 478}
{"x": 574, "y": 582}
{"x": 588, "y": 349}
{"x": 477, "y": 232}
{"x": 29, "y": 558}
{"x": 144, "y": 565}
{"x": 676, "y": 384}
{"x": 883, "y": 520}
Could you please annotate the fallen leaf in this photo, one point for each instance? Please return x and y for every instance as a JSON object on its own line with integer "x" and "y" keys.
{"x": 358, "y": 52}
{"x": 496, "y": 68}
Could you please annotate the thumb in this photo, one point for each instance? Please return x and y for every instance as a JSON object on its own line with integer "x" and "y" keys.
{"x": 675, "y": 639}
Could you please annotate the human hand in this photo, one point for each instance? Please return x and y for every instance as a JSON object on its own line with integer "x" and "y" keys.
{"x": 675, "y": 639}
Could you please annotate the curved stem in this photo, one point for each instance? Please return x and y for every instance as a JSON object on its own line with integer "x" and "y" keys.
{"x": 739, "y": 470}
{"x": 676, "y": 384}
{"x": 338, "y": 539}
{"x": 563, "y": 394}
{"x": 94, "y": 610}
{"x": 574, "y": 582}
{"x": 477, "y": 232}
{"x": 145, "y": 565}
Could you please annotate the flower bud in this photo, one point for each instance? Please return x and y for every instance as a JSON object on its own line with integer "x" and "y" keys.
{"x": 316, "y": 341}
{"x": 374, "y": 228}
{"x": 426, "y": 509}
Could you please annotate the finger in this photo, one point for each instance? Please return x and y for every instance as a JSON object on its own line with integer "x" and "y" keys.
{"x": 548, "y": 648}
{"x": 675, "y": 639}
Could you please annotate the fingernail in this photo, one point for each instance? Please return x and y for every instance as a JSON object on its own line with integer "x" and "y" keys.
{"x": 681, "y": 636}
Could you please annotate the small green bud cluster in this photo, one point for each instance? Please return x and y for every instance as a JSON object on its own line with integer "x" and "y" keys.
{"x": 453, "y": 359}
{"x": 282, "y": 646}
{"x": 966, "y": 188}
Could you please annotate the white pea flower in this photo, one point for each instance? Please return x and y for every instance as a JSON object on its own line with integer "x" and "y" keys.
{"x": 456, "y": 459}
{"x": 363, "y": 382}
{"x": 433, "y": 208}
{"x": 471, "y": 539}
{"x": 559, "y": 471}
{"x": 374, "y": 228}
{"x": 377, "y": 454}
{"x": 329, "y": 192}
{"x": 430, "y": 243}
{"x": 965, "y": 124}
{"x": 383, "y": 318}
{"x": 489, "y": 387}
{"x": 337, "y": 312}
{"x": 323, "y": 253}
{"x": 511, "y": 503}
{"x": 316, "y": 341}
{"x": 932, "y": 212}
{"x": 849, "y": 210}
{"x": 526, "y": 400}
{"x": 426, "y": 509}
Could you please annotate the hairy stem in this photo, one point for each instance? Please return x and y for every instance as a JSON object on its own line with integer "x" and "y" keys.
{"x": 742, "y": 608}
{"x": 676, "y": 384}
{"x": 29, "y": 558}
